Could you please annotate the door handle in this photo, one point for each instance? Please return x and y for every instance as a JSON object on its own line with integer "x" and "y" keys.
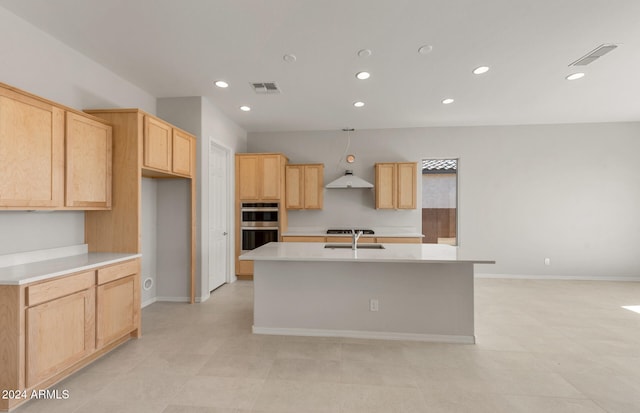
{"x": 224, "y": 233}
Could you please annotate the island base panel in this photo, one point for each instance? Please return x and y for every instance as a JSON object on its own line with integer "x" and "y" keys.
{"x": 417, "y": 301}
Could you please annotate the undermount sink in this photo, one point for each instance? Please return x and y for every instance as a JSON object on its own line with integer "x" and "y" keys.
{"x": 360, "y": 246}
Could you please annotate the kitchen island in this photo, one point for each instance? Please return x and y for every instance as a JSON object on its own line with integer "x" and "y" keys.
{"x": 400, "y": 291}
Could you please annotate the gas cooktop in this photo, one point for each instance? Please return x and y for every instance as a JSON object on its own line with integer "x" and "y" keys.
{"x": 348, "y": 231}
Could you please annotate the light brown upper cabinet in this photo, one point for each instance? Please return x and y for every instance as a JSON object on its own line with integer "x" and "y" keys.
{"x": 47, "y": 165}
{"x": 304, "y": 185}
{"x": 260, "y": 176}
{"x": 31, "y": 151}
{"x": 182, "y": 152}
{"x": 166, "y": 148}
{"x": 88, "y": 163}
{"x": 157, "y": 144}
{"x": 396, "y": 185}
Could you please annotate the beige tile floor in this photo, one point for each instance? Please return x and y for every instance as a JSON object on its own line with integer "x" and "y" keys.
{"x": 543, "y": 347}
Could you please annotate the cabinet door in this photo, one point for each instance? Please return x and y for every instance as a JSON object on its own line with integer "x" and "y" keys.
{"x": 31, "y": 152}
{"x": 247, "y": 170}
{"x": 116, "y": 315}
{"x": 406, "y": 177}
{"x": 157, "y": 144}
{"x": 271, "y": 175}
{"x": 245, "y": 268}
{"x": 313, "y": 186}
{"x": 59, "y": 333}
{"x": 88, "y": 157}
{"x": 385, "y": 185}
{"x": 294, "y": 187}
{"x": 182, "y": 153}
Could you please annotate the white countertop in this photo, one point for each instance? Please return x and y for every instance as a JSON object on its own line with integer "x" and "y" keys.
{"x": 395, "y": 232}
{"x": 400, "y": 253}
{"x": 42, "y": 269}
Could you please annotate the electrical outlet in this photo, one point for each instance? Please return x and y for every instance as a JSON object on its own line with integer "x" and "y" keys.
{"x": 373, "y": 304}
{"x": 547, "y": 261}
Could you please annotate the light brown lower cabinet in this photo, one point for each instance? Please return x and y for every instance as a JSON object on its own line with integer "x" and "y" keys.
{"x": 294, "y": 238}
{"x": 50, "y": 329}
{"x": 245, "y": 270}
{"x": 399, "y": 240}
{"x": 381, "y": 240}
{"x": 114, "y": 315}
{"x": 60, "y": 333}
{"x": 361, "y": 240}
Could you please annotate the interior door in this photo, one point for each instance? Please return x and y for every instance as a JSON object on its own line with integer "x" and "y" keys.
{"x": 218, "y": 215}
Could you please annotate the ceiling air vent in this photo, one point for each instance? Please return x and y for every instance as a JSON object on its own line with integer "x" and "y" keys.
{"x": 265, "y": 88}
{"x": 595, "y": 54}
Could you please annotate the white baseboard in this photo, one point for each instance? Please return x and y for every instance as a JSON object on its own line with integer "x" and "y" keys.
{"x": 556, "y": 277}
{"x": 149, "y": 302}
{"x": 178, "y": 299}
{"x": 439, "y": 338}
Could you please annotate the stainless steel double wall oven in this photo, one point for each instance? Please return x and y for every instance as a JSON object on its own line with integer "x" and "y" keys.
{"x": 259, "y": 223}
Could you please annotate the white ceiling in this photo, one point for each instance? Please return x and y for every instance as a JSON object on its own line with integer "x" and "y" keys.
{"x": 178, "y": 48}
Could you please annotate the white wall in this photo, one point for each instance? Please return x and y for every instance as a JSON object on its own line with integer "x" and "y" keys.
{"x": 27, "y": 231}
{"x": 567, "y": 192}
{"x": 36, "y": 62}
{"x": 200, "y": 117}
{"x": 173, "y": 226}
{"x": 149, "y": 238}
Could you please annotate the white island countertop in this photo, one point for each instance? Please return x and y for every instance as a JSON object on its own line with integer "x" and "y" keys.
{"x": 41, "y": 265}
{"x": 400, "y": 253}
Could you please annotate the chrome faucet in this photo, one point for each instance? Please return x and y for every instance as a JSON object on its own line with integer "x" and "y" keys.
{"x": 354, "y": 239}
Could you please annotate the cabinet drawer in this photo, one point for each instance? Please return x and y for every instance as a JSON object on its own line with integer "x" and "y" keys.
{"x": 294, "y": 238}
{"x": 399, "y": 240}
{"x": 60, "y": 287}
{"x": 117, "y": 271}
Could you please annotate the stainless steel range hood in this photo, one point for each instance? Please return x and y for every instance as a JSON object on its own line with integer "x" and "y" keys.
{"x": 349, "y": 180}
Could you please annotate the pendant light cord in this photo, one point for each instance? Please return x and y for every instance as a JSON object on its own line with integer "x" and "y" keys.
{"x": 346, "y": 149}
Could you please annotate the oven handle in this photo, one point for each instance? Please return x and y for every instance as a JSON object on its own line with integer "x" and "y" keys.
{"x": 259, "y": 209}
{"x": 259, "y": 224}
{"x": 258, "y": 228}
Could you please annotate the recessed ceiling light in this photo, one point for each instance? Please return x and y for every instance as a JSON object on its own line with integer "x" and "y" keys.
{"x": 363, "y": 75}
{"x": 221, "y": 83}
{"x": 480, "y": 70}
{"x": 575, "y": 76}
{"x": 364, "y": 53}
{"x": 245, "y": 108}
{"x": 426, "y": 49}
{"x": 447, "y": 101}
{"x": 289, "y": 58}
{"x": 358, "y": 104}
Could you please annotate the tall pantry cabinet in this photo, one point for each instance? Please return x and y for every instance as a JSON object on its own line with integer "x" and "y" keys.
{"x": 143, "y": 146}
{"x": 260, "y": 177}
